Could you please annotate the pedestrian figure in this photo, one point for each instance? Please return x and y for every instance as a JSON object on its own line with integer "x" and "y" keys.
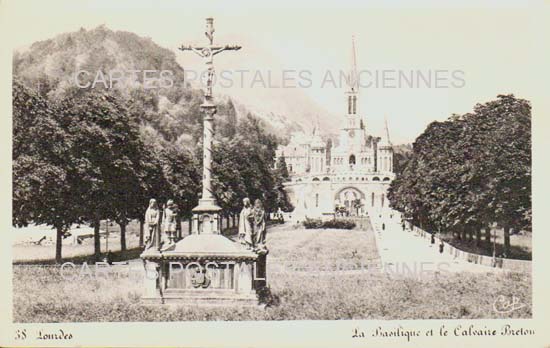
{"x": 280, "y": 215}
{"x": 441, "y": 246}
{"x": 383, "y": 226}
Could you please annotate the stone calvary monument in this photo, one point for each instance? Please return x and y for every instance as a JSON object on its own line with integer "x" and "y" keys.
{"x": 204, "y": 267}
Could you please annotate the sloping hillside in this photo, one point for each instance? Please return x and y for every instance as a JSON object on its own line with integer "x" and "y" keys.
{"x": 53, "y": 66}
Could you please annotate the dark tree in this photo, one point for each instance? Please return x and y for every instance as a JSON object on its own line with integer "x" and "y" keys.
{"x": 44, "y": 176}
{"x": 471, "y": 171}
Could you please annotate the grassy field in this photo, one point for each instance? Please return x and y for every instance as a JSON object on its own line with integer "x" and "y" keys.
{"x": 25, "y": 253}
{"x": 42, "y": 295}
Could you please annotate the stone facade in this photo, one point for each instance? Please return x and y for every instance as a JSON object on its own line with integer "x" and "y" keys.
{"x": 352, "y": 175}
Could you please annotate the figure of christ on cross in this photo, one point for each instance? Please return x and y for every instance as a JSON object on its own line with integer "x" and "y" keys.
{"x": 208, "y": 52}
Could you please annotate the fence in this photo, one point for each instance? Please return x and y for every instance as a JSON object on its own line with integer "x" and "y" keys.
{"x": 499, "y": 262}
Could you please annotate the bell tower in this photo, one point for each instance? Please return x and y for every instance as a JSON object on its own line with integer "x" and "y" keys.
{"x": 384, "y": 159}
{"x": 353, "y": 120}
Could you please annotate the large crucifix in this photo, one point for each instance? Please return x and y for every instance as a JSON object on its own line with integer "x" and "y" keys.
{"x": 206, "y": 218}
{"x": 208, "y": 52}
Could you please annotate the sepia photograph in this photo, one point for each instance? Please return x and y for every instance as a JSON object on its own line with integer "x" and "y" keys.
{"x": 362, "y": 169}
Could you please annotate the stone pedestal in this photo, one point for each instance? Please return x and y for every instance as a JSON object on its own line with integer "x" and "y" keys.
{"x": 260, "y": 272}
{"x": 207, "y": 269}
{"x": 206, "y": 218}
{"x": 150, "y": 279}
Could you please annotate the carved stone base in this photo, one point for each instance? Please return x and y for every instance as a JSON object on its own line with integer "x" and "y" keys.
{"x": 206, "y": 218}
{"x": 260, "y": 272}
{"x": 207, "y": 269}
{"x": 203, "y": 298}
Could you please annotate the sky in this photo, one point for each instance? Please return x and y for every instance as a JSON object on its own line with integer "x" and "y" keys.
{"x": 496, "y": 47}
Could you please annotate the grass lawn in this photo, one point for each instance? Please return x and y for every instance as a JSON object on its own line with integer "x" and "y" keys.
{"x": 42, "y": 295}
{"x": 23, "y": 253}
{"x": 43, "y": 254}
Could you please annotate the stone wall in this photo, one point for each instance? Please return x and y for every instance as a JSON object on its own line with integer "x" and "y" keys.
{"x": 313, "y": 196}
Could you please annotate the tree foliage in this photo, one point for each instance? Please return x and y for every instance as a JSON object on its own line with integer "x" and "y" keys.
{"x": 244, "y": 167}
{"x": 471, "y": 171}
{"x": 93, "y": 154}
{"x": 101, "y": 152}
{"x": 43, "y": 171}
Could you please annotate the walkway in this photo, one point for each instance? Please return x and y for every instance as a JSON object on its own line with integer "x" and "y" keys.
{"x": 404, "y": 250}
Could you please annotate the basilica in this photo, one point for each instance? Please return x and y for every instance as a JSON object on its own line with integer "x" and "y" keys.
{"x": 347, "y": 176}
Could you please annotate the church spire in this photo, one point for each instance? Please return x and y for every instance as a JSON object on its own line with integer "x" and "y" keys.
{"x": 353, "y": 88}
{"x": 353, "y": 81}
{"x": 316, "y": 126}
{"x": 386, "y": 135}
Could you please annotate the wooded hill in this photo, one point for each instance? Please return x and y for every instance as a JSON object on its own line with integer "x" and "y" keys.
{"x": 83, "y": 154}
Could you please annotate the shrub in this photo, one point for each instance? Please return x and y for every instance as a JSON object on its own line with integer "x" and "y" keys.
{"x": 338, "y": 224}
{"x": 313, "y": 223}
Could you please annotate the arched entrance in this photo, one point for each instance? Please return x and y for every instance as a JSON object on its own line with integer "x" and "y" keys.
{"x": 349, "y": 201}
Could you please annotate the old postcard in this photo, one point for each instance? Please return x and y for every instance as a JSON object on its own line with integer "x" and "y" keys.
{"x": 286, "y": 174}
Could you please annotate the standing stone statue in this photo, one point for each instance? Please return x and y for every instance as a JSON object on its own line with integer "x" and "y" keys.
{"x": 259, "y": 226}
{"x": 245, "y": 224}
{"x": 152, "y": 216}
{"x": 179, "y": 235}
{"x": 170, "y": 221}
